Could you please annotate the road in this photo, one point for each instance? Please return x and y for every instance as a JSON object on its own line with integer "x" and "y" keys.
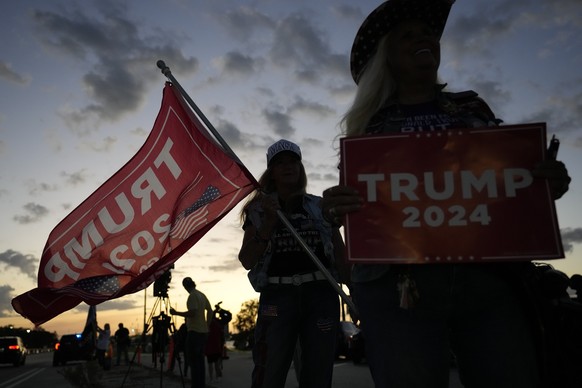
{"x": 237, "y": 372}
{"x": 39, "y": 372}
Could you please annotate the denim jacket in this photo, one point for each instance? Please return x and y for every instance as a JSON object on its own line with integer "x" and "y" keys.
{"x": 258, "y": 274}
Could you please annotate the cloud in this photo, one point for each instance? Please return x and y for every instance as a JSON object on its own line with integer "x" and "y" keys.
{"x": 233, "y": 135}
{"x": 8, "y": 74}
{"x": 472, "y": 34}
{"x": 300, "y": 46}
{"x": 492, "y": 92}
{"x": 279, "y": 122}
{"x": 35, "y": 188}
{"x": 6, "y": 309}
{"x": 105, "y": 145}
{"x": 141, "y": 132}
{"x": 118, "y": 304}
{"x": 561, "y": 13}
{"x": 230, "y": 132}
{"x": 344, "y": 92}
{"x": 563, "y": 111}
{"x": 243, "y": 22}
{"x": 227, "y": 266}
{"x": 571, "y": 236}
{"x": 549, "y": 33}
{"x": 239, "y": 65}
{"x": 24, "y": 263}
{"x": 35, "y": 213}
{"x": 300, "y": 105}
{"x": 293, "y": 43}
{"x": 348, "y": 12}
{"x": 120, "y": 57}
{"x": 75, "y": 178}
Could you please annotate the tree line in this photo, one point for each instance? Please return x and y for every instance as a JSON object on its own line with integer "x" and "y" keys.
{"x": 33, "y": 339}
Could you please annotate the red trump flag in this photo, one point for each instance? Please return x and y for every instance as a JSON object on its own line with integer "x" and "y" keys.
{"x": 142, "y": 219}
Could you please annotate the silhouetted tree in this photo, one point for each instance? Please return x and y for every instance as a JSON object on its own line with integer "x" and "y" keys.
{"x": 33, "y": 339}
{"x": 244, "y": 324}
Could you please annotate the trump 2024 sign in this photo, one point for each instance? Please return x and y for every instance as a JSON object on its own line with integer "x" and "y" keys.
{"x": 451, "y": 196}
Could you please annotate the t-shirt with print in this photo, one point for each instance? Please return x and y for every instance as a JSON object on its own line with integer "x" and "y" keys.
{"x": 427, "y": 117}
{"x": 289, "y": 257}
{"x": 424, "y": 117}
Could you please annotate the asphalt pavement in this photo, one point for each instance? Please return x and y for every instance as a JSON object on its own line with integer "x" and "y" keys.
{"x": 144, "y": 373}
{"x": 236, "y": 374}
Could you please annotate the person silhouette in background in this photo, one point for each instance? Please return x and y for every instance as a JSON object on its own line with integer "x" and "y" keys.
{"x": 214, "y": 347}
{"x": 576, "y": 285}
{"x": 198, "y": 318}
{"x": 179, "y": 341}
{"x": 122, "y": 342}
{"x": 102, "y": 346}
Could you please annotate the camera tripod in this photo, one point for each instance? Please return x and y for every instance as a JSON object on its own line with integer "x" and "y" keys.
{"x": 161, "y": 325}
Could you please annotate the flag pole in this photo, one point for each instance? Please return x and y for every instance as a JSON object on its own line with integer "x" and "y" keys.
{"x": 167, "y": 72}
{"x": 319, "y": 264}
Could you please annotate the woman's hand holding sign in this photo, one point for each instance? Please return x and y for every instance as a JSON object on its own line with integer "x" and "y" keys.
{"x": 556, "y": 174}
{"x": 554, "y": 171}
{"x": 338, "y": 201}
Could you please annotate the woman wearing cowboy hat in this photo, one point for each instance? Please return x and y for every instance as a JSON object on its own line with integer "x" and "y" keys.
{"x": 473, "y": 309}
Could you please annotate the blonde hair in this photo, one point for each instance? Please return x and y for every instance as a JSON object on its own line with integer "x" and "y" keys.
{"x": 376, "y": 85}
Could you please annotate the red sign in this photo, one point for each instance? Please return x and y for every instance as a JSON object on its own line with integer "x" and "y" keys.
{"x": 452, "y": 196}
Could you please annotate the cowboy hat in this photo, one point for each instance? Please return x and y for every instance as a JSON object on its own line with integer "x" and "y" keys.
{"x": 387, "y": 15}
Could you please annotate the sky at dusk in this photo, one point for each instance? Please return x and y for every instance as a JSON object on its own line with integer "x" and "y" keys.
{"x": 80, "y": 90}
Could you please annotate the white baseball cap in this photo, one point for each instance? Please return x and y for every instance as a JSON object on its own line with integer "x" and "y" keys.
{"x": 280, "y": 146}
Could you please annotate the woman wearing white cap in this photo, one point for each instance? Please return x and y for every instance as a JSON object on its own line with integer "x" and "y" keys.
{"x": 297, "y": 303}
{"x": 474, "y": 308}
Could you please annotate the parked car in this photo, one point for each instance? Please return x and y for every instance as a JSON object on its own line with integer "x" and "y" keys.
{"x": 72, "y": 347}
{"x": 350, "y": 344}
{"x": 12, "y": 351}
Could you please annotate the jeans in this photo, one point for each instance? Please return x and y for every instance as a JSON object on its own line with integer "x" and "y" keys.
{"x": 195, "y": 343}
{"x": 473, "y": 309}
{"x": 100, "y": 354}
{"x": 122, "y": 349}
{"x": 287, "y": 313}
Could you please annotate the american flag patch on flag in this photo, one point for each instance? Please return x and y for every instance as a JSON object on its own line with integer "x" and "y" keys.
{"x": 98, "y": 287}
{"x": 194, "y": 215}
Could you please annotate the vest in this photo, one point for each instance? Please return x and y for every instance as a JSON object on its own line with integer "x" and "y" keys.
{"x": 258, "y": 274}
